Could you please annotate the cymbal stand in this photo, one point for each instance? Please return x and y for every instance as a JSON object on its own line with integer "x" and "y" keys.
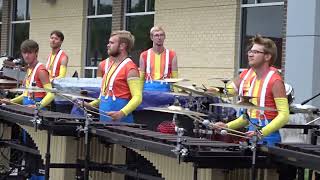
{"x": 254, "y": 141}
{"x": 196, "y": 129}
{"x": 225, "y": 91}
{"x": 175, "y": 116}
{"x": 190, "y": 101}
{"x": 85, "y": 129}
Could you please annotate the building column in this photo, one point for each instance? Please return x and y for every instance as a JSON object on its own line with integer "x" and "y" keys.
{"x": 302, "y": 67}
{"x": 5, "y": 27}
{"x": 117, "y": 15}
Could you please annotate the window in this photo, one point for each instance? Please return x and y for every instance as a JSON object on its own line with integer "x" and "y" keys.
{"x": 98, "y": 32}
{"x": 257, "y": 19}
{"x": 20, "y": 25}
{"x": 139, "y": 21}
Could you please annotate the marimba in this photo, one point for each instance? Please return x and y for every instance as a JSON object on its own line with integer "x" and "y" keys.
{"x": 216, "y": 159}
{"x": 297, "y": 154}
{"x": 58, "y": 143}
{"x": 56, "y": 138}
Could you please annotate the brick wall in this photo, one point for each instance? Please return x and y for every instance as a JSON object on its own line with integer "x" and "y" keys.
{"x": 117, "y": 14}
{"x": 5, "y": 27}
{"x": 204, "y": 34}
{"x": 67, "y": 16}
{"x": 284, "y": 34}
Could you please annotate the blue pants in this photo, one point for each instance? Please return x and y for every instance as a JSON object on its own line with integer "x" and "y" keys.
{"x": 107, "y": 105}
{"x": 268, "y": 140}
{"x": 156, "y": 86}
{"x": 27, "y": 101}
{"x": 34, "y": 177}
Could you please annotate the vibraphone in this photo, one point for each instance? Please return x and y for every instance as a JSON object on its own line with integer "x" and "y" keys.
{"x": 215, "y": 159}
{"x": 59, "y": 148}
{"x": 300, "y": 155}
{"x": 303, "y": 156}
{"x": 56, "y": 142}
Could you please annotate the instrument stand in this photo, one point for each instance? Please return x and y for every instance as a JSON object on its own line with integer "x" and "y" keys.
{"x": 48, "y": 156}
{"x": 85, "y": 129}
{"x": 196, "y": 129}
{"x": 225, "y": 91}
{"x": 253, "y": 148}
{"x": 254, "y": 142}
{"x": 190, "y": 100}
{"x": 180, "y": 151}
{"x": 198, "y": 103}
{"x": 36, "y": 119}
{"x": 18, "y": 74}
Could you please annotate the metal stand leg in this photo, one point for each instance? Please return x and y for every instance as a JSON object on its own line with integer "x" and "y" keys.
{"x": 195, "y": 172}
{"x": 254, "y": 143}
{"x": 254, "y": 151}
{"x": 85, "y": 129}
{"x": 87, "y": 158}
{"x": 300, "y": 174}
{"x": 48, "y": 156}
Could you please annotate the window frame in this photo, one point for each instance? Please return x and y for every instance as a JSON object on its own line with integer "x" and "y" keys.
{"x": 95, "y": 16}
{"x": 145, "y": 12}
{"x": 13, "y": 22}
{"x": 135, "y": 14}
{"x": 252, "y": 5}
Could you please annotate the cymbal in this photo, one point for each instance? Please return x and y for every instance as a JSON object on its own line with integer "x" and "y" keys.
{"x": 244, "y": 105}
{"x": 175, "y": 110}
{"x": 76, "y": 96}
{"x": 194, "y": 89}
{"x": 220, "y": 78}
{"x": 31, "y": 89}
{"x": 182, "y": 94}
{"x": 171, "y": 80}
{"x": 220, "y": 91}
{"x": 246, "y": 98}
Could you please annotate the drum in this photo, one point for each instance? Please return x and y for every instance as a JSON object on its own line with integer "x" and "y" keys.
{"x": 289, "y": 93}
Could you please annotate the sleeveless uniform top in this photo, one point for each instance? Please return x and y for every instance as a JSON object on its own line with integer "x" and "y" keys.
{"x": 53, "y": 65}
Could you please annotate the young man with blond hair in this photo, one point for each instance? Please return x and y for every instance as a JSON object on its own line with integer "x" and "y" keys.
{"x": 158, "y": 62}
{"x": 263, "y": 81}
